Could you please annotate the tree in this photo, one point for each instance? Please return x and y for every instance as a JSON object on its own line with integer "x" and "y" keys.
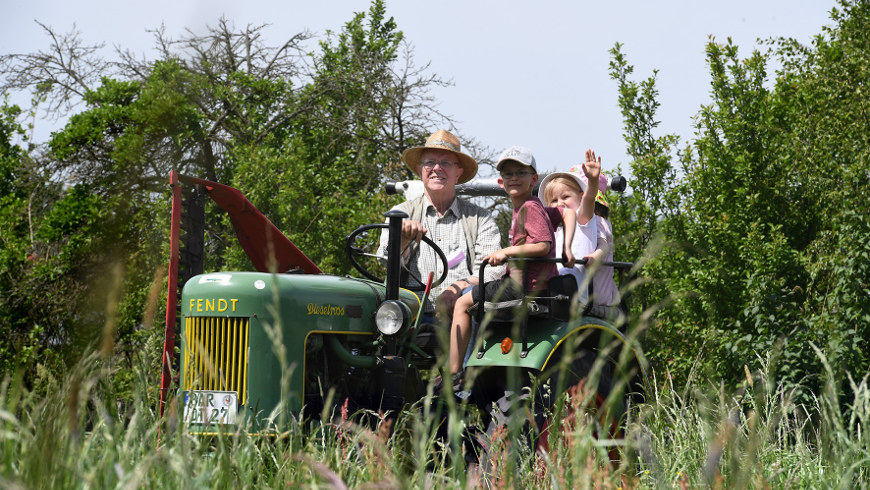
{"x": 766, "y": 251}
{"x": 825, "y": 87}
{"x": 367, "y": 103}
{"x": 652, "y": 199}
{"x": 309, "y": 137}
{"x": 33, "y": 283}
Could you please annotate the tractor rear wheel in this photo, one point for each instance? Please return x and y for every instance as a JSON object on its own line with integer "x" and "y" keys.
{"x": 518, "y": 421}
{"x": 581, "y": 399}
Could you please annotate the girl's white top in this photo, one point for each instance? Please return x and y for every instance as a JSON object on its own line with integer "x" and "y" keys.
{"x": 584, "y": 243}
{"x": 597, "y": 233}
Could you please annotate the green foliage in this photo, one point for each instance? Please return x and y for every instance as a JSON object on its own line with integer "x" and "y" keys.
{"x": 309, "y": 138}
{"x": 762, "y": 241}
{"x": 325, "y": 177}
{"x": 758, "y": 435}
{"x": 759, "y": 240}
{"x": 11, "y": 155}
{"x": 57, "y": 285}
{"x": 637, "y": 216}
{"x": 23, "y": 335}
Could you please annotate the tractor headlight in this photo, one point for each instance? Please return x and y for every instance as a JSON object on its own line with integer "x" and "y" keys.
{"x": 392, "y": 317}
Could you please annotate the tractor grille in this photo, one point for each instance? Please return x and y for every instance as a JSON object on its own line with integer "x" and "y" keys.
{"x": 216, "y": 355}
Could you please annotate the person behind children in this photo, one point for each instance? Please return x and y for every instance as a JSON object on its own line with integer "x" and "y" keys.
{"x": 606, "y": 298}
{"x": 464, "y": 231}
{"x": 531, "y": 235}
{"x": 567, "y": 189}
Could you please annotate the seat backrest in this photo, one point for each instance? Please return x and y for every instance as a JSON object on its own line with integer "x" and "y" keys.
{"x": 563, "y": 285}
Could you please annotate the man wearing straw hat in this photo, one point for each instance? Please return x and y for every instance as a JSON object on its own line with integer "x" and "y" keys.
{"x": 464, "y": 231}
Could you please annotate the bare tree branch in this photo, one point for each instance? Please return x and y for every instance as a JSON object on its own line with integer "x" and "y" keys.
{"x": 61, "y": 76}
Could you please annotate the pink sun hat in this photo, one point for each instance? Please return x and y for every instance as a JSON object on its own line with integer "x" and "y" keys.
{"x": 576, "y": 173}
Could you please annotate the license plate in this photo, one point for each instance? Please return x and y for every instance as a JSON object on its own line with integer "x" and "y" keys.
{"x": 210, "y": 407}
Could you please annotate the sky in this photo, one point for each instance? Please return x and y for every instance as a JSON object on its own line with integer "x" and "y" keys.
{"x": 524, "y": 73}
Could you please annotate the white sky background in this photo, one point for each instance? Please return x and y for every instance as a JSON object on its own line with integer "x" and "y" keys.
{"x": 525, "y": 73}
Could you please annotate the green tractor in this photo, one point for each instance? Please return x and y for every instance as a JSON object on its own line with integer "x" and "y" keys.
{"x": 257, "y": 347}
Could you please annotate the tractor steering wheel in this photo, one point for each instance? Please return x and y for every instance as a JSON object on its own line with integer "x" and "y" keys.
{"x": 353, "y": 252}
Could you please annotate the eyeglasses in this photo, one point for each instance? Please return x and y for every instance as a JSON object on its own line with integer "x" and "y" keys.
{"x": 520, "y": 174}
{"x": 445, "y": 164}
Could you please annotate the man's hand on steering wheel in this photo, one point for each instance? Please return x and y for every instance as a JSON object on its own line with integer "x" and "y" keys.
{"x": 353, "y": 253}
{"x": 412, "y": 232}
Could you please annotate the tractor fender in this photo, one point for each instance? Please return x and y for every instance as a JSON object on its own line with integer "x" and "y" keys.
{"x": 545, "y": 338}
{"x": 634, "y": 355}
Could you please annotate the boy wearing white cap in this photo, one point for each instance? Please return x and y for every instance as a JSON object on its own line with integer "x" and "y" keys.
{"x": 531, "y": 235}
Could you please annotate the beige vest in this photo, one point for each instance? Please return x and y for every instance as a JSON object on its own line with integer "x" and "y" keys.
{"x": 470, "y": 215}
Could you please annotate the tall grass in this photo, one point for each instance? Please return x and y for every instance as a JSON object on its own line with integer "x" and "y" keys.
{"x": 756, "y": 437}
{"x": 79, "y": 436}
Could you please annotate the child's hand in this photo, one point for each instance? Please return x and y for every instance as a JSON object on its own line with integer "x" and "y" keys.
{"x": 591, "y": 167}
{"x": 570, "y": 260}
{"x": 497, "y": 258}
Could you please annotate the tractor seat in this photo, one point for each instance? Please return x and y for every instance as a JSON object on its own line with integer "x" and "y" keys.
{"x": 558, "y": 302}
{"x": 563, "y": 289}
{"x": 507, "y": 311}
{"x": 555, "y": 302}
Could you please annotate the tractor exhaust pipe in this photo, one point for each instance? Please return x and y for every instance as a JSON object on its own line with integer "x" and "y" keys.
{"x": 394, "y": 252}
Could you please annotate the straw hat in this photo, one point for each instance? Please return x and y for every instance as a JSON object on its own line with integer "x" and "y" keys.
{"x": 441, "y": 140}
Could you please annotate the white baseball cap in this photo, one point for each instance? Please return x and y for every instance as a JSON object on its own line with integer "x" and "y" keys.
{"x": 519, "y": 154}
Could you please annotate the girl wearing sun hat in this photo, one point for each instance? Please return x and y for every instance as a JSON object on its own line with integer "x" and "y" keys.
{"x": 581, "y": 188}
{"x": 568, "y": 190}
